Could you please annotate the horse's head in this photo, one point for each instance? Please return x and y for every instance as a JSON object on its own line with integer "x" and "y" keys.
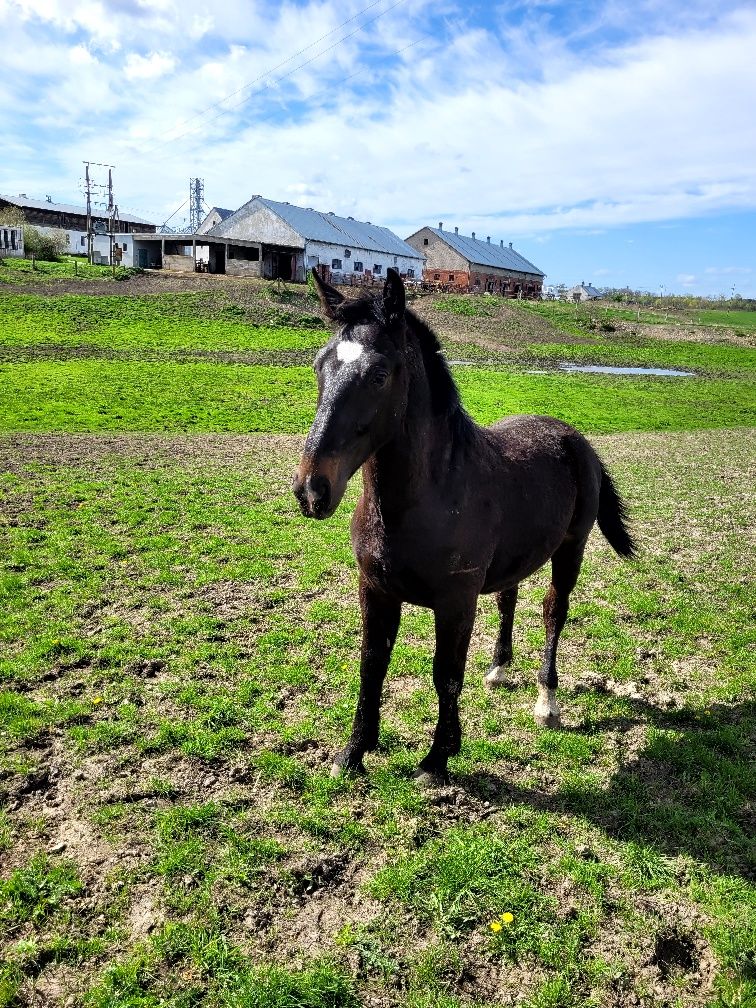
{"x": 362, "y": 392}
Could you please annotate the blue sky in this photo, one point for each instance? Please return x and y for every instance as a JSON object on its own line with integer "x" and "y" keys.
{"x": 611, "y": 142}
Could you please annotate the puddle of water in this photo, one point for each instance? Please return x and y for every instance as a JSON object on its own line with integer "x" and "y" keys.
{"x": 606, "y": 369}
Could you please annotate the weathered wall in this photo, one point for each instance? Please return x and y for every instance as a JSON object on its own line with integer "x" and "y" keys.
{"x": 438, "y": 255}
{"x": 243, "y": 267}
{"x": 11, "y": 242}
{"x": 185, "y": 264}
{"x": 260, "y": 225}
{"x": 321, "y": 252}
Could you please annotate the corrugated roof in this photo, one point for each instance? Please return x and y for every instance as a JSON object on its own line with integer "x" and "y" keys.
{"x": 483, "y": 253}
{"x": 67, "y": 208}
{"x": 332, "y": 229}
{"x": 589, "y": 289}
{"x": 223, "y": 214}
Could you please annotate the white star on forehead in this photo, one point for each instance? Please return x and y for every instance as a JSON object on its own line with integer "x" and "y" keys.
{"x": 348, "y": 351}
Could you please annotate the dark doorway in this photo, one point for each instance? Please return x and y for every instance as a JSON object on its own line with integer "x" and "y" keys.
{"x": 217, "y": 259}
{"x": 282, "y": 265}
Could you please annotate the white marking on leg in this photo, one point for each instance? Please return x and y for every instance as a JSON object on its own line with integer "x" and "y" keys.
{"x": 496, "y": 675}
{"x": 546, "y": 710}
{"x": 348, "y": 351}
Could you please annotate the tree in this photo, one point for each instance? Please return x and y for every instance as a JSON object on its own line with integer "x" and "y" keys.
{"x": 48, "y": 245}
{"x": 12, "y": 216}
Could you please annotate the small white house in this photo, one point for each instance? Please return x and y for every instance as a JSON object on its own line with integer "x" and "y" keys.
{"x": 11, "y": 241}
{"x": 582, "y": 292}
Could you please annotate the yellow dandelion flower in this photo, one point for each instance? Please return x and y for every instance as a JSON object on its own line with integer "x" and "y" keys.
{"x": 495, "y": 926}
{"x": 97, "y": 699}
{"x": 507, "y": 917}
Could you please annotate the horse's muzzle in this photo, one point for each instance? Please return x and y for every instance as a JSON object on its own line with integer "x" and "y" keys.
{"x": 314, "y": 495}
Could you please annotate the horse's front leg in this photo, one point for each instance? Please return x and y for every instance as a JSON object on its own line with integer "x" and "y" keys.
{"x": 380, "y": 623}
{"x": 454, "y": 624}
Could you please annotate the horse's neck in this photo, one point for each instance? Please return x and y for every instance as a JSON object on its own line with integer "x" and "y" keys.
{"x": 402, "y": 472}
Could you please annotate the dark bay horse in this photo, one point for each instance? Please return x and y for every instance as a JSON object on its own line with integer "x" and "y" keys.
{"x": 449, "y": 509}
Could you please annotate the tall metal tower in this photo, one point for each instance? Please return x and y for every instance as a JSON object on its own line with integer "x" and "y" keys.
{"x": 196, "y": 201}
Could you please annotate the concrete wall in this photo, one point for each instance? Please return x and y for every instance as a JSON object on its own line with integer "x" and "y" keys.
{"x": 260, "y": 225}
{"x": 438, "y": 255}
{"x": 182, "y": 263}
{"x": 243, "y": 268}
{"x": 240, "y": 260}
{"x": 11, "y": 242}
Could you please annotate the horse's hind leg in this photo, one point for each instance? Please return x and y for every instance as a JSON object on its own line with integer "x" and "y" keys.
{"x": 497, "y": 674}
{"x": 565, "y": 567}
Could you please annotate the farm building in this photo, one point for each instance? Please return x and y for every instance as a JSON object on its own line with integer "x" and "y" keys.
{"x": 215, "y": 215}
{"x": 274, "y": 240}
{"x": 48, "y": 216}
{"x": 11, "y": 241}
{"x": 461, "y": 263}
{"x": 582, "y": 292}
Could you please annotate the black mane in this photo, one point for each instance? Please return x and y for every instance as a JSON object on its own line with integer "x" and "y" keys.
{"x": 445, "y": 398}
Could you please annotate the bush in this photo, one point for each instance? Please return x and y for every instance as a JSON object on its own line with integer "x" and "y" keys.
{"x": 47, "y": 245}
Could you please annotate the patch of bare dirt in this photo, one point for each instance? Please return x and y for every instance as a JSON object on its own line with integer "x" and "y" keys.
{"x": 18, "y": 451}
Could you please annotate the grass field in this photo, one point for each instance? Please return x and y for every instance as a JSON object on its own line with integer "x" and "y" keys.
{"x": 178, "y": 667}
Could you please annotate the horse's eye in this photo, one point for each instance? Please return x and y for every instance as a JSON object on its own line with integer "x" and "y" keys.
{"x": 378, "y": 377}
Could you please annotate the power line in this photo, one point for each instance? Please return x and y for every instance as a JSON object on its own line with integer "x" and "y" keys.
{"x": 278, "y": 80}
{"x": 329, "y": 89}
{"x": 270, "y": 70}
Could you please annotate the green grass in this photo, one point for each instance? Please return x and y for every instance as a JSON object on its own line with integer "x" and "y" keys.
{"x": 23, "y": 270}
{"x": 178, "y": 667}
{"x": 742, "y": 319}
{"x": 88, "y": 395}
{"x": 161, "y": 324}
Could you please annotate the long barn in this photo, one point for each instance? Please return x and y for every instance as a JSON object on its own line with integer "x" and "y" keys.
{"x": 466, "y": 263}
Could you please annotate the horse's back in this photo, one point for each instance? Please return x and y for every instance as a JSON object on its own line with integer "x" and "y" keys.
{"x": 551, "y": 478}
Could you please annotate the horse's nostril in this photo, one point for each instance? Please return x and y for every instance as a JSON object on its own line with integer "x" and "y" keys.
{"x": 318, "y": 493}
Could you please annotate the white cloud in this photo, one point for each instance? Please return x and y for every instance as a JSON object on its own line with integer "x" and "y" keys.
{"x": 686, "y": 279}
{"x": 453, "y": 129}
{"x": 149, "y": 67}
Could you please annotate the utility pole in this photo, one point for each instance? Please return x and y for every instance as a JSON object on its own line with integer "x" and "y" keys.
{"x": 89, "y": 213}
{"x": 89, "y": 186}
{"x": 196, "y": 199}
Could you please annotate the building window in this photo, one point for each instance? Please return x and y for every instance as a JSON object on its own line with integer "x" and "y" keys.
{"x": 358, "y": 267}
{"x": 347, "y": 254}
{"x": 451, "y": 276}
{"x": 425, "y": 241}
{"x": 377, "y": 270}
{"x": 436, "y": 276}
{"x": 336, "y": 264}
{"x": 396, "y": 260}
{"x": 125, "y": 246}
{"x": 410, "y": 274}
{"x": 83, "y": 241}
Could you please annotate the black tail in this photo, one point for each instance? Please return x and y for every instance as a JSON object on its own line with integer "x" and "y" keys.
{"x": 613, "y": 517}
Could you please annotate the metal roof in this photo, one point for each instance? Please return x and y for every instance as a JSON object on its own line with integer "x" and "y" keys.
{"x": 483, "y": 253}
{"x": 589, "y": 289}
{"x": 223, "y": 214}
{"x": 330, "y": 228}
{"x": 67, "y": 208}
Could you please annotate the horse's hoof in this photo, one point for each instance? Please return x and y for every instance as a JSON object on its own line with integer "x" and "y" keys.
{"x": 348, "y": 770}
{"x": 430, "y": 780}
{"x": 549, "y": 720}
{"x": 496, "y": 676}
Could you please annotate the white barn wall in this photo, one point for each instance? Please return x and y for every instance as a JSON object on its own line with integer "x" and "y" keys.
{"x": 318, "y": 253}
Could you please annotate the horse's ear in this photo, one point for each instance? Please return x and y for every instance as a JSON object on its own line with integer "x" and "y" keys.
{"x": 394, "y": 299}
{"x": 330, "y": 299}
